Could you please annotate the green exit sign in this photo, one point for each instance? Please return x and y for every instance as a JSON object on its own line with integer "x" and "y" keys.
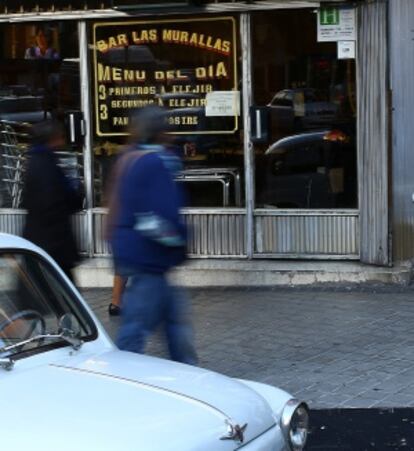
{"x": 329, "y": 16}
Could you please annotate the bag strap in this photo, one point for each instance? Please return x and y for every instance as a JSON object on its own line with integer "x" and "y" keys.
{"x": 127, "y": 160}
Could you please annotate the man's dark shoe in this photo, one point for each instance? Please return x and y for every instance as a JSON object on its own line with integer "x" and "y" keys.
{"x": 114, "y": 310}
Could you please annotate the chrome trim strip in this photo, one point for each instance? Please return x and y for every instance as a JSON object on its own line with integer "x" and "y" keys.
{"x": 247, "y": 99}
{"x": 227, "y": 211}
{"x": 88, "y": 137}
{"x": 72, "y": 127}
{"x": 294, "y": 212}
{"x": 191, "y": 211}
{"x": 302, "y": 256}
{"x": 12, "y": 211}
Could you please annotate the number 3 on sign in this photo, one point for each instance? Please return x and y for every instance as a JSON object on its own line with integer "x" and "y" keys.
{"x": 102, "y": 92}
{"x": 103, "y": 112}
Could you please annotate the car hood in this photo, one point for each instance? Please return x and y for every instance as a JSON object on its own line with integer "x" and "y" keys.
{"x": 119, "y": 400}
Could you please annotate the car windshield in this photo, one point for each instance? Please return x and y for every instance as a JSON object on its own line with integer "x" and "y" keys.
{"x": 33, "y": 299}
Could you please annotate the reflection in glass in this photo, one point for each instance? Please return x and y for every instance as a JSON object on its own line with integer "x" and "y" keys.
{"x": 42, "y": 46}
{"x": 310, "y": 159}
{"x": 176, "y": 64}
{"x": 39, "y": 79}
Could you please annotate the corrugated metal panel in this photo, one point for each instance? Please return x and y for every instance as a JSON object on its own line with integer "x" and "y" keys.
{"x": 212, "y": 234}
{"x": 216, "y": 234}
{"x": 401, "y": 16}
{"x": 80, "y": 228}
{"x": 101, "y": 247}
{"x": 307, "y": 234}
{"x": 373, "y": 131}
{"x": 12, "y": 221}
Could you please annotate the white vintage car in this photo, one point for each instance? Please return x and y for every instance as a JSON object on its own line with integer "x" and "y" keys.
{"x": 65, "y": 386}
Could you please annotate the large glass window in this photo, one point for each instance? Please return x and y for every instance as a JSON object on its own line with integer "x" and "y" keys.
{"x": 189, "y": 66}
{"x": 310, "y": 159}
{"x": 39, "y": 79}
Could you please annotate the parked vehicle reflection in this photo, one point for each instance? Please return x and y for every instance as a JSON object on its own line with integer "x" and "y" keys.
{"x": 301, "y": 109}
{"x": 309, "y": 170}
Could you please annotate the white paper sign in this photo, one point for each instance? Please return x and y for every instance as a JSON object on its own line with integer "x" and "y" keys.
{"x": 336, "y": 24}
{"x": 223, "y": 103}
{"x": 346, "y": 50}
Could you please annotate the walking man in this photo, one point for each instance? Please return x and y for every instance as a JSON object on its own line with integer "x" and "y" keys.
{"x": 50, "y": 197}
{"x": 148, "y": 238}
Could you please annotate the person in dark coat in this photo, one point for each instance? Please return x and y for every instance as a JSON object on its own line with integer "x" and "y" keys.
{"x": 50, "y": 197}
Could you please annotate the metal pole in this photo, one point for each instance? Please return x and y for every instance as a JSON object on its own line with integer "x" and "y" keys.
{"x": 87, "y": 149}
{"x": 247, "y": 100}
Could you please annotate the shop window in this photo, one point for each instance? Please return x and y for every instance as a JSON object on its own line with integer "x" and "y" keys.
{"x": 39, "y": 79}
{"x": 190, "y": 67}
{"x": 310, "y": 158}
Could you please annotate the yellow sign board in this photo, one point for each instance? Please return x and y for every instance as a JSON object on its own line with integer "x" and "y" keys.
{"x": 173, "y": 63}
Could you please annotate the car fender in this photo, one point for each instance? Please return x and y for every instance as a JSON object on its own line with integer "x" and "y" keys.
{"x": 275, "y": 397}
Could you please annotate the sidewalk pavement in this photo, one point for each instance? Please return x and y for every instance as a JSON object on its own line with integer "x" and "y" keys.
{"x": 333, "y": 347}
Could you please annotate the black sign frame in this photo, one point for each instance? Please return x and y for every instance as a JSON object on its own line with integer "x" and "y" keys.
{"x": 119, "y": 26}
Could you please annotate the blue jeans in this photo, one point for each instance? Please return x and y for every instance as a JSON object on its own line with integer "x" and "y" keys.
{"x": 148, "y": 302}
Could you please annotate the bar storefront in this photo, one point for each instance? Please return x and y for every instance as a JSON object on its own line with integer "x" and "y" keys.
{"x": 263, "y": 108}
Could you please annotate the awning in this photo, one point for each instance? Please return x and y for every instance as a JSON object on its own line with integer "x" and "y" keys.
{"x": 127, "y": 8}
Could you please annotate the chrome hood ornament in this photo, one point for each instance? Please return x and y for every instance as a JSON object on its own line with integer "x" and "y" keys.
{"x": 235, "y": 432}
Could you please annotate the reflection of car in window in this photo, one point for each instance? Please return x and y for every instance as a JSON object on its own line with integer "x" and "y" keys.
{"x": 298, "y": 109}
{"x": 23, "y": 108}
{"x": 309, "y": 170}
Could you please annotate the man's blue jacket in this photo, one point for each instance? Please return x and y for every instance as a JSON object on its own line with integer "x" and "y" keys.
{"x": 148, "y": 234}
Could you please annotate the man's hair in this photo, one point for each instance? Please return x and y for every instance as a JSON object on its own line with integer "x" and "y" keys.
{"x": 44, "y": 132}
{"x": 147, "y": 124}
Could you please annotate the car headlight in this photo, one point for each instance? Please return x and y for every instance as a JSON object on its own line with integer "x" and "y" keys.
{"x": 294, "y": 423}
